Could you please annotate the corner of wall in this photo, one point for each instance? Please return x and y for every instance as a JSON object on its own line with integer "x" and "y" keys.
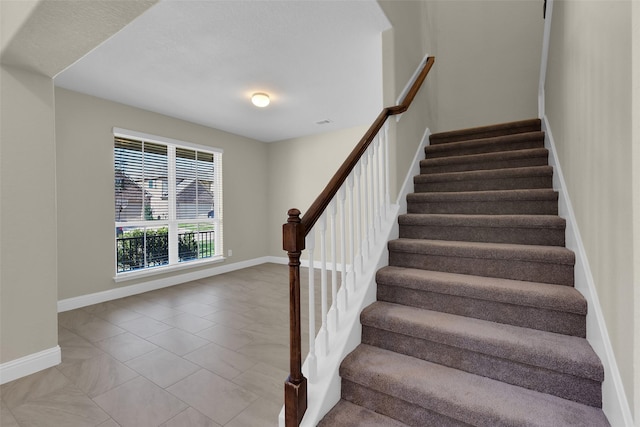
{"x": 28, "y": 324}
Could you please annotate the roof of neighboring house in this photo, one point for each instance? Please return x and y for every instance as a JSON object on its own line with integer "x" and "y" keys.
{"x": 203, "y": 193}
{"x": 129, "y": 188}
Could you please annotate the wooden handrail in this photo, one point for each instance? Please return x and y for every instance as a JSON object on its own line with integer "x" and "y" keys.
{"x": 293, "y": 241}
{"x": 322, "y": 201}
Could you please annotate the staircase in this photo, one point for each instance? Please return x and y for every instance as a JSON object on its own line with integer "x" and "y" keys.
{"x": 477, "y": 321}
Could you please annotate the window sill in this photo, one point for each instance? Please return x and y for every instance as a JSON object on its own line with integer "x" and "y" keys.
{"x": 154, "y": 271}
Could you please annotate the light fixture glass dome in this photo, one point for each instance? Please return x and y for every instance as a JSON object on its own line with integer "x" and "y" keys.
{"x": 260, "y": 99}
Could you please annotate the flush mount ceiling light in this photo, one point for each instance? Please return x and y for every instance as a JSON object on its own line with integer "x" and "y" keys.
{"x": 260, "y": 99}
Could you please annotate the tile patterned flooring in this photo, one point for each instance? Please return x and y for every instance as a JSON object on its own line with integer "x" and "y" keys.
{"x": 212, "y": 352}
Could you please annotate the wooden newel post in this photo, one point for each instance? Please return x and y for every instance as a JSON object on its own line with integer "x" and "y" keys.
{"x": 295, "y": 387}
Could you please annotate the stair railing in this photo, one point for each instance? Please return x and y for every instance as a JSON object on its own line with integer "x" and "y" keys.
{"x": 361, "y": 185}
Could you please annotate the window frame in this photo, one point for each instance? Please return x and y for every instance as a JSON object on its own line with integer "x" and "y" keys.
{"x": 172, "y": 221}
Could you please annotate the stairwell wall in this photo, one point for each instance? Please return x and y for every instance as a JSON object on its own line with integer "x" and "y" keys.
{"x": 486, "y": 71}
{"x": 404, "y": 47}
{"x": 488, "y": 61}
{"x": 588, "y": 107}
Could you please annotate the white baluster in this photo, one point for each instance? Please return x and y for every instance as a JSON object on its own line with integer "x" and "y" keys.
{"x": 352, "y": 234}
{"x": 382, "y": 209}
{"x": 376, "y": 187}
{"x": 343, "y": 248}
{"x": 366, "y": 222}
{"x": 358, "y": 216}
{"x": 312, "y": 361}
{"x": 333, "y": 310}
{"x": 323, "y": 335}
{"x": 387, "y": 197}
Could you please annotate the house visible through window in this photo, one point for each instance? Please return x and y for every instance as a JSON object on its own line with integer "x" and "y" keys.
{"x": 168, "y": 201}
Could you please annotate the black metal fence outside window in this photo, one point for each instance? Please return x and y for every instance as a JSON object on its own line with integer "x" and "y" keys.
{"x": 152, "y": 249}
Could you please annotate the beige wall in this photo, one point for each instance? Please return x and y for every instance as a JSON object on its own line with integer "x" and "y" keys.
{"x": 408, "y": 18}
{"x": 488, "y": 61}
{"x": 28, "y": 289}
{"x": 298, "y": 170}
{"x": 588, "y": 104}
{"x": 84, "y": 136}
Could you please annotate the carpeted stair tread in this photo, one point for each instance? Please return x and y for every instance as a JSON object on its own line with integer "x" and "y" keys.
{"x": 466, "y": 397}
{"x": 543, "y": 201}
{"x": 346, "y": 414}
{"x": 536, "y": 194}
{"x": 542, "y": 306}
{"x": 474, "y": 250}
{"x": 493, "y": 179}
{"x": 560, "y": 365}
{"x": 521, "y": 229}
{"x": 494, "y": 221}
{"x": 562, "y": 353}
{"x": 546, "y": 264}
{"x": 404, "y": 411}
{"x": 483, "y": 174}
{"x": 516, "y": 292}
{"x": 521, "y": 126}
{"x": 497, "y": 160}
{"x": 521, "y": 141}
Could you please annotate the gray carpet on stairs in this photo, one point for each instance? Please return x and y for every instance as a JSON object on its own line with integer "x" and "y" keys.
{"x": 495, "y": 202}
{"x": 477, "y": 322}
{"x": 501, "y": 129}
{"x": 547, "y": 307}
{"x": 492, "y": 179}
{"x": 495, "y": 144}
{"x": 487, "y": 161}
{"x": 520, "y": 229}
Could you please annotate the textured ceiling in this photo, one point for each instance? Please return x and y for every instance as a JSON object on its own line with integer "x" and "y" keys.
{"x": 57, "y": 33}
{"x": 201, "y": 60}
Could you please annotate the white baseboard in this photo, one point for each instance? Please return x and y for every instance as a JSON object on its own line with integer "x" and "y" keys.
{"x": 151, "y": 285}
{"x": 283, "y": 260}
{"x": 30, "y": 364}
{"x": 614, "y": 401}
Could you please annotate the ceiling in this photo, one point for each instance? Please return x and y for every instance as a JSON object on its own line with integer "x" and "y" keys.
{"x": 45, "y": 36}
{"x": 200, "y": 61}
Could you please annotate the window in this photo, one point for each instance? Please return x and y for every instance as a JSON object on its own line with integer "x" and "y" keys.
{"x": 168, "y": 202}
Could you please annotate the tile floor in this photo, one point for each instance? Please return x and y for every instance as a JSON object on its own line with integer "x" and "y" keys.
{"x": 212, "y": 352}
